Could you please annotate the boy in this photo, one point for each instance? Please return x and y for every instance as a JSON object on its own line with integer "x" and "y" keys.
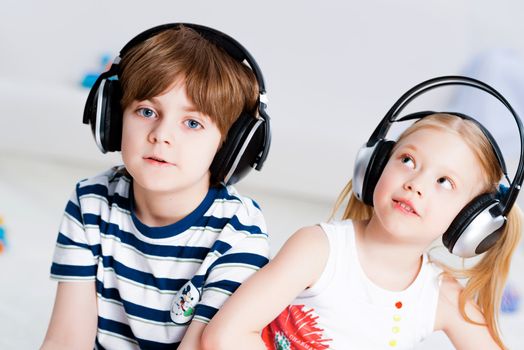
{"x": 149, "y": 251}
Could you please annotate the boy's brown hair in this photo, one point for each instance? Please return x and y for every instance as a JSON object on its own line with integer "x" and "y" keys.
{"x": 216, "y": 83}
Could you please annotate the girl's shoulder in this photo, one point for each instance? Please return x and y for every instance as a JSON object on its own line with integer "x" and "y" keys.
{"x": 303, "y": 255}
{"x": 323, "y": 244}
{"x": 311, "y": 236}
{"x": 462, "y": 320}
{"x": 448, "y": 310}
{"x": 308, "y": 241}
{"x": 319, "y": 231}
{"x": 339, "y": 229}
{"x": 448, "y": 302}
{"x": 450, "y": 290}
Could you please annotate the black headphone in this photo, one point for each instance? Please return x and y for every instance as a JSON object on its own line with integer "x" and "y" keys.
{"x": 479, "y": 224}
{"x": 248, "y": 140}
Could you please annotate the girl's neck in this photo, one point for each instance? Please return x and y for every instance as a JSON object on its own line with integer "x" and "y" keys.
{"x": 386, "y": 260}
{"x": 157, "y": 209}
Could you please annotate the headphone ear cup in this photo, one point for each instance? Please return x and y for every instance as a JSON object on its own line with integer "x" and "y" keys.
{"x": 377, "y": 163}
{"x": 104, "y": 115}
{"x": 240, "y": 150}
{"x": 91, "y": 112}
{"x": 470, "y": 233}
{"x": 111, "y": 116}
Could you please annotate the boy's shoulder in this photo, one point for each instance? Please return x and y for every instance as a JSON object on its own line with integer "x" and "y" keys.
{"x": 239, "y": 210}
{"x": 231, "y": 194}
{"x": 115, "y": 179}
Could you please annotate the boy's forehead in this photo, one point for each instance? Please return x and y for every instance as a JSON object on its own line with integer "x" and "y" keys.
{"x": 177, "y": 94}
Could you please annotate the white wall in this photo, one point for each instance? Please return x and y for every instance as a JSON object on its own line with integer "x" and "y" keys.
{"x": 332, "y": 68}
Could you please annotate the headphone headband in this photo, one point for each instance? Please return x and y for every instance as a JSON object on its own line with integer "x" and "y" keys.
{"x": 393, "y": 113}
{"x": 222, "y": 40}
{"x": 247, "y": 143}
{"x": 230, "y": 45}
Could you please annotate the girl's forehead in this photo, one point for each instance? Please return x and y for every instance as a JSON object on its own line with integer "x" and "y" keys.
{"x": 429, "y": 135}
{"x": 442, "y": 147}
{"x": 440, "y": 144}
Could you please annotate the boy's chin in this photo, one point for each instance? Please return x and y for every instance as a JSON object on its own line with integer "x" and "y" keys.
{"x": 168, "y": 184}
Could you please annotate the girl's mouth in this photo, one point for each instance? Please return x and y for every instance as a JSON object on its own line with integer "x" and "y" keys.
{"x": 405, "y": 206}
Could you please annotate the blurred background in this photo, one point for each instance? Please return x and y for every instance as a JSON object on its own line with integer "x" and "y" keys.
{"x": 332, "y": 70}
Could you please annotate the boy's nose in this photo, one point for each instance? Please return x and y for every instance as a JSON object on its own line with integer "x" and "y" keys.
{"x": 162, "y": 133}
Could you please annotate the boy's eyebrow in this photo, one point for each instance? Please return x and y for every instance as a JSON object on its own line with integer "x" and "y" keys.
{"x": 152, "y": 100}
{"x": 188, "y": 108}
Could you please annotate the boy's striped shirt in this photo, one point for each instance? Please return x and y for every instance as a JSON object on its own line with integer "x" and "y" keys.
{"x": 151, "y": 282}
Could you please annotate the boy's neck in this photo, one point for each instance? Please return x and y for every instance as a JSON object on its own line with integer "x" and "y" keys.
{"x": 156, "y": 209}
{"x": 390, "y": 264}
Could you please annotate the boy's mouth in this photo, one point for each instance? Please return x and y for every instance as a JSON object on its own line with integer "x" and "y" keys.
{"x": 157, "y": 160}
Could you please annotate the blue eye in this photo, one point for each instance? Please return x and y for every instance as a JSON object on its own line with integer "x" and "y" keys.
{"x": 445, "y": 182}
{"x": 146, "y": 112}
{"x": 193, "y": 124}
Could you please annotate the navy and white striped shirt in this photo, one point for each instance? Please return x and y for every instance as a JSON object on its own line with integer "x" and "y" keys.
{"x": 151, "y": 282}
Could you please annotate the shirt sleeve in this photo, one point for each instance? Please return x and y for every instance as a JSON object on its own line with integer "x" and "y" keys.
{"x": 75, "y": 256}
{"x": 248, "y": 253}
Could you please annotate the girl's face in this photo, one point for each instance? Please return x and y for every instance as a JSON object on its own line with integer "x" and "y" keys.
{"x": 431, "y": 175}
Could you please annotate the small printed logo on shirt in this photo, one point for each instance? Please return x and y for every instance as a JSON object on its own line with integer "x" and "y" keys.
{"x": 183, "y": 307}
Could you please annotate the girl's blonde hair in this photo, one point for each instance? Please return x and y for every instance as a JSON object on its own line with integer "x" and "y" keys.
{"x": 487, "y": 278}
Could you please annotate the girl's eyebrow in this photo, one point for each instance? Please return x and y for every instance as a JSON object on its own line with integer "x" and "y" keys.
{"x": 452, "y": 173}
{"x": 409, "y": 146}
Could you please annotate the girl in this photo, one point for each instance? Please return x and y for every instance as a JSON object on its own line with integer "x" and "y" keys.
{"x": 367, "y": 282}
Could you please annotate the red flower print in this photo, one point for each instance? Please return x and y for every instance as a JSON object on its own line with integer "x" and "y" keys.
{"x": 295, "y": 329}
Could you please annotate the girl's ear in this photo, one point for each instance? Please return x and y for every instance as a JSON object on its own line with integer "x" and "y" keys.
{"x": 474, "y": 230}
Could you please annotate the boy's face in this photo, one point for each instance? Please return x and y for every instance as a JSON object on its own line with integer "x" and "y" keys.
{"x": 167, "y": 145}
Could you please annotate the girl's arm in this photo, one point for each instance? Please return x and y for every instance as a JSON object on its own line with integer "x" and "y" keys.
{"x": 193, "y": 336}
{"x": 264, "y": 295}
{"x": 73, "y": 323}
{"x": 464, "y": 335}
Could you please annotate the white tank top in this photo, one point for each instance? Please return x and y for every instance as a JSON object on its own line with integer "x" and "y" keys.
{"x": 345, "y": 310}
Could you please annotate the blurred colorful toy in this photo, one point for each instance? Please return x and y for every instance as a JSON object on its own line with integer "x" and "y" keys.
{"x": 510, "y": 300}
{"x": 90, "y": 77}
{"x": 3, "y": 239}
